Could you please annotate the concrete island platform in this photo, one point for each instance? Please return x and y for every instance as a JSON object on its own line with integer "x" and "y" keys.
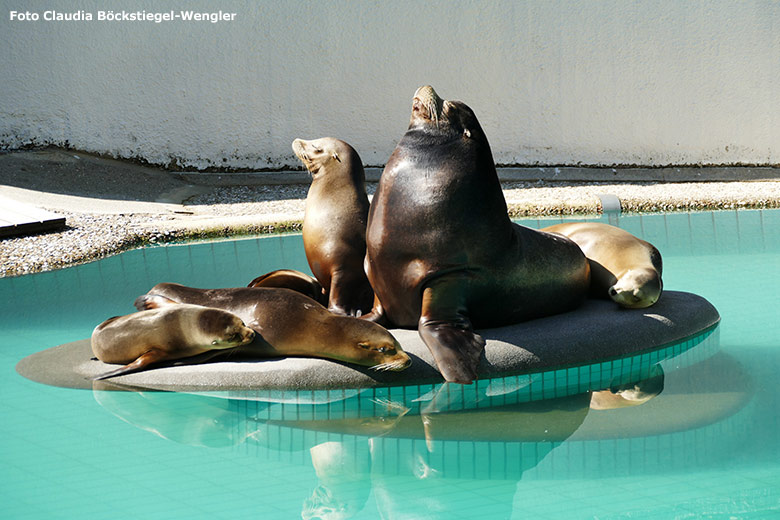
{"x": 598, "y": 332}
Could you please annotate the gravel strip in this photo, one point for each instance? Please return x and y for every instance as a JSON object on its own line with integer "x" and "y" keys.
{"x": 86, "y": 237}
{"x": 229, "y": 211}
{"x": 526, "y": 199}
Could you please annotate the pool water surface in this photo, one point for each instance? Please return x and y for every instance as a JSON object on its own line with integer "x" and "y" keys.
{"x": 706, "y": 446}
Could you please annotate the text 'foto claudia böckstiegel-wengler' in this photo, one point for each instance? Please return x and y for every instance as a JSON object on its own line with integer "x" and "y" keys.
{"x": 122, "y": 16}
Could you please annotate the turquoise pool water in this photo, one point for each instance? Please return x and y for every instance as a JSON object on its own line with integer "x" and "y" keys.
{"x": 707, "y": 446}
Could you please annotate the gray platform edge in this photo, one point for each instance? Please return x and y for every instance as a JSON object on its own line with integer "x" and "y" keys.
{"x": 18, "y": 219}
{"x": 598, "y": 331}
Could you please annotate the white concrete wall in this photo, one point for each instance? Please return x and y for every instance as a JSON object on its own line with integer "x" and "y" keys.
{"x": 552, "y": 81}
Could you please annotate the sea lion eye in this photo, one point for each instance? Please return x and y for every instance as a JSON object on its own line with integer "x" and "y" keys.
{"x": 364, "y": 345}
{"x": 466, "y": 133}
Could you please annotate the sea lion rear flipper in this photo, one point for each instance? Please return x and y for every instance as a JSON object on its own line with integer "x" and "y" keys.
{"x": 294, "y": 280}
{"x": 152, "y": 301}
{"x": 447, "y": 332}
{"x": 143, "y": 361}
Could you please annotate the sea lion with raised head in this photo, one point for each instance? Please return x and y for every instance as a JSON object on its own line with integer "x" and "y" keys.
{"x": 623, "y": 267}
{"x": 442, "y": 253}
{"x": 334, "y": 223}
{"x": 151, "y": 336}
{"x": 288, "y": 323}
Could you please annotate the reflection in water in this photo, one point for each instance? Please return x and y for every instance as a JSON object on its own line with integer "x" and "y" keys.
{"x": 363, "y": 443}
{"x": 191, "y": 420}
{"x": 343, "y": 469}
{"x": 629, "y": 394}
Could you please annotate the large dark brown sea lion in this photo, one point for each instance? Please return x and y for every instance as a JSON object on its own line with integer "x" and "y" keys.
{"x": 151, "y": 336}
{"x": 623, "y": 267}
{"x": 442, "y": 254}
{"x": 334, "y": 224}
{"x": 288, "y": 323}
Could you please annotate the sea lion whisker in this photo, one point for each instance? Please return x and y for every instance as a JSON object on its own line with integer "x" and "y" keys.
{"x": 432, "y": 109}
{"x": 390, "y": 365}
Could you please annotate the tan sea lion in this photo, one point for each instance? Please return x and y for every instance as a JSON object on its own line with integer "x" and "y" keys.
{"x": 443, "y": 255}
{"x": 144, "y": 338}
{"x": 334, "y": 224}
{"x": 288, "y": 323}
{"x": 295, "y": 280}
{"x": 623, "y": 267}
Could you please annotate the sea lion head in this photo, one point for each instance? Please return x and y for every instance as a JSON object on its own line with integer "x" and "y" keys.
{"x": 369, "y": 344}
{"x": 637, "y": 288}
{"x": 317, "y": 154}
{"x": 224, "y": 329}
{"x": 453, "y": 119}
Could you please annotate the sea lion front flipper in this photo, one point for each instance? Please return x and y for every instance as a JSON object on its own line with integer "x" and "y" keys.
{"x": 147, "y": 302}
{"x": 446, "y": 330}
{"x": 143, "y": 361}
{"x": 350, "y": 294}
{"x": 377, "y": 314}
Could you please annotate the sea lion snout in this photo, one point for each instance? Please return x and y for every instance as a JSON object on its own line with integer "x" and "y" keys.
{"x": 634, "y": 298}
{"x": 402, "y": 361}
{"x": 380, "y": 351}
{"x": 248, "y": 336}
{"x": 316, "y": 153}
{"x": 637, "y": 289}
{"x": 626, "y": 298}
{"x": 426, "y": 103}
{"x": 426, "y": 93}
{"x": 395, "y": 363}
{"x": 235, "y": 336}
{"x": 241, "y": 334}
{"x": 299, "y": 149}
